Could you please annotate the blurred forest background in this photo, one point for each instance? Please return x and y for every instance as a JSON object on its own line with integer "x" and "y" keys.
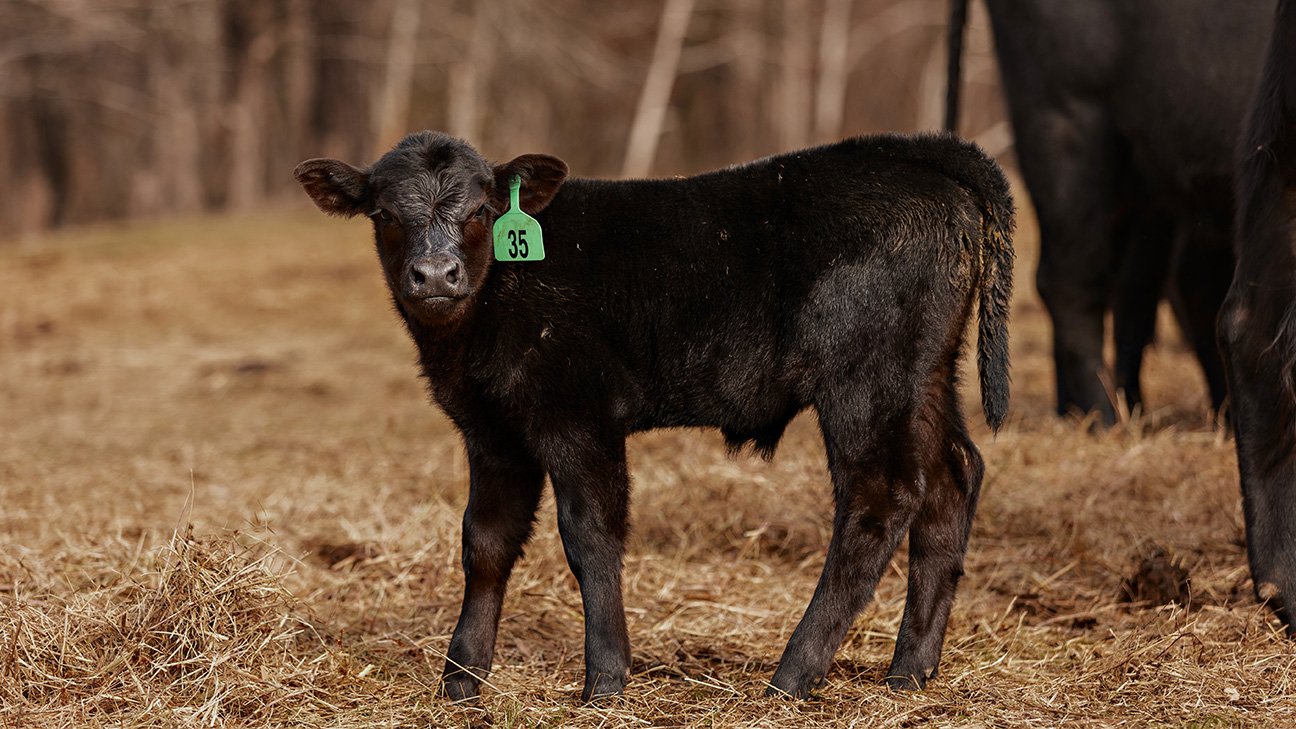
{"x": 118, "y": 108}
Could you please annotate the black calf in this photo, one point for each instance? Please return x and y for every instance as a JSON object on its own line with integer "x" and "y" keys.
{"x": 1257, "y": 325}
{"x": 840, "y": 277}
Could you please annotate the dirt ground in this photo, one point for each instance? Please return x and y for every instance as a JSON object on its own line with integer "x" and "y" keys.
{"x": 247, "y": 376}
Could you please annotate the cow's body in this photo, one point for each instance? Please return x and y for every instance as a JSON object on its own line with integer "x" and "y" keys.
{"x": 1258, "y": 324}
{"x": 840, "y": 277}
{"x": 1125, "y": 114}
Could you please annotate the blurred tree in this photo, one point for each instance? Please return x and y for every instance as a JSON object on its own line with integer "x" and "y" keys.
{"x": 391, "y": 112}
{"x": 830, "y": 93}
{"x": 792, "y": 111}
{"x": 470, "y": 75}
{"x": 650, "y": 113}
{"x": 148, "y": 107}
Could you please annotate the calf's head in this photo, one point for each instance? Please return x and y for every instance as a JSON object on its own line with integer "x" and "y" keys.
{"x": 433, "y": 200}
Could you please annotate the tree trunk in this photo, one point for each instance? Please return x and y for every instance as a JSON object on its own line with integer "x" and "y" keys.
{"x": 747, "y": 39}
{"x": 298, "y": 88}
{"x": 251, "y": 52}
{"x": 650, "y": 114}
{"x": 471, "y": 75}
{"x": 931, "y": 86}
{"x": 391, "y": 113}
{"x": 795, "y": 78}
{"x": 830, "y": 95}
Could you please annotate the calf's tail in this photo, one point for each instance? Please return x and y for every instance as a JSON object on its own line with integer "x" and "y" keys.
{"x": 983, "y": 181}
{"x": 995, "y": 297}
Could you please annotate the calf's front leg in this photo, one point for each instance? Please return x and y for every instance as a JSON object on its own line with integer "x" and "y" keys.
{"x": 592, "y": 493}
{"x": 502, "y": 504}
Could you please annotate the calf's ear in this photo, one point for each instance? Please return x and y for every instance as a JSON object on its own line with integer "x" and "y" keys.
{"x": 541, "y": 175}
{"x": 336, "y": 187}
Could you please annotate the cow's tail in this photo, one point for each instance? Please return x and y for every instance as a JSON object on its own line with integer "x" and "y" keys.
{"x": 958, "y": 21}
{"x": 995, "y": 289}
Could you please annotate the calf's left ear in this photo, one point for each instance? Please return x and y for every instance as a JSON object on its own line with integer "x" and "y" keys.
{"x": 336, "y": 187}
{"x": 541, "y": 175}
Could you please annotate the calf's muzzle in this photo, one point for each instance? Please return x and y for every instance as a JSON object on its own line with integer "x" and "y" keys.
{"x": 437, "y": 276}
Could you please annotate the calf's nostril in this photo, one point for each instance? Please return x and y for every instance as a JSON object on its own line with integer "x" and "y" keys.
{"x": 436, "y": 276}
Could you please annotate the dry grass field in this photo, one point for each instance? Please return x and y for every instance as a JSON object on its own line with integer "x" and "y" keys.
{"x": 225, "y": 501}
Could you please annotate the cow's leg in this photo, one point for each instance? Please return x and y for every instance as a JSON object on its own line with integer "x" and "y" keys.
{"x": 1201, "y": 272}
{"x": 1067, "y": 157}
{"x": 502, "y": 503}
{"x": 592, "y": 490}
{"x": 937, "y": 542}
{"x": 877, "y": 487}
{"x": 1259, "y": 348}
{"x": 1139, "y": 283}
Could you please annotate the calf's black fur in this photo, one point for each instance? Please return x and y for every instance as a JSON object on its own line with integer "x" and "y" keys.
{"x": 1257, "y": 324}
{"x": 840, "y": 277}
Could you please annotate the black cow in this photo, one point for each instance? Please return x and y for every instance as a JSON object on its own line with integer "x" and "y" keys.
{"x": 839, "y": 277}
{"x": 1257, "y": 325}
{"x": 1125, "y": 114}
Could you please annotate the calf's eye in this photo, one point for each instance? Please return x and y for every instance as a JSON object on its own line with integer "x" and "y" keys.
{"x": 381, "y": 216}
{"x": 480, "y": 211}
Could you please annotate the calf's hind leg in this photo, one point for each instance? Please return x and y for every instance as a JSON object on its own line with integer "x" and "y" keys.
{"x": 937, "y": 542}
{"x": 877, "y": 490}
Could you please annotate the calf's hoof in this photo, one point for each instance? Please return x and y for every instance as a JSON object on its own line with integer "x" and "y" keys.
{"x": 786, "y": 685}
{"x": 603, "y": 686}
{"x": 908, "y": 680}
{"x": 460, "y": 686}
{"x": 1280, "y": 601}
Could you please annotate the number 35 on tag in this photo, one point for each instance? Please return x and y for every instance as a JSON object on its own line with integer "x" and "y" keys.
{"x": 517, "y": 235}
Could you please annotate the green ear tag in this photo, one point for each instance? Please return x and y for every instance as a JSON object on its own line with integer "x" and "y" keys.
{"x": 517, "y": 235}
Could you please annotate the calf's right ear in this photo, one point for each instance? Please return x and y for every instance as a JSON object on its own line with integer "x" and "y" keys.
{"x": 541, "y": 175}
{"x": 336, "y": 187}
